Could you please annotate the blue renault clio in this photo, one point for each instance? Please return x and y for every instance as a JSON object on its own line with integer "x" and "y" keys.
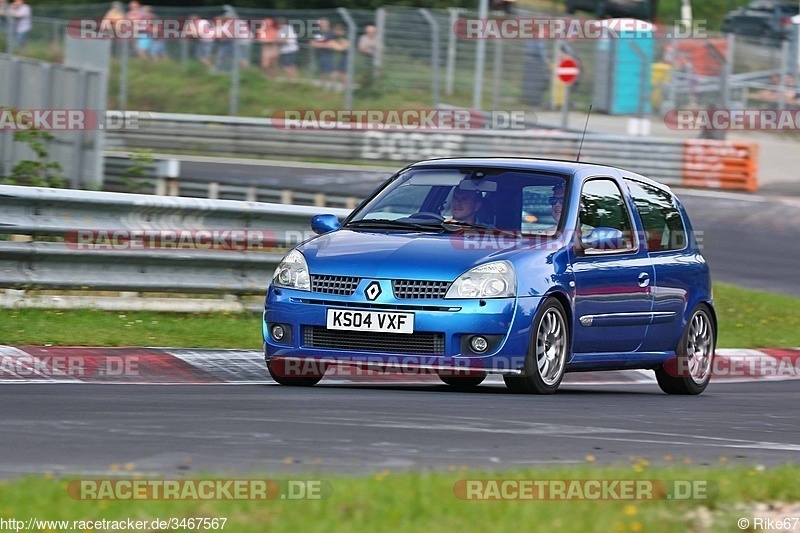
{"x": 526, "y": 268}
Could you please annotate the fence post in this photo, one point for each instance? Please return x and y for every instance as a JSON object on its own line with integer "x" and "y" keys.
{"x": 7, "y": 135}
{"x": 352, "y": 35}
{"x": 380, "y": 29}
{"x": 124, "y": 57}
{"x": 233, "y": 103}
{"x": 498, "y": 72}
{"x": 9, "y": 33}
{"x": 434, "y": 53}
{"x": 784, "y": 72}
{"x": 480, "y": 55}
{"x": 452, "y": 46}
{"x": 80, "y": 136}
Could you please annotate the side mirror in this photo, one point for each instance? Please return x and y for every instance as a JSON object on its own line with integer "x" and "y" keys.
{"x": 603, "y": 239}
{"x": 324, "y": 223}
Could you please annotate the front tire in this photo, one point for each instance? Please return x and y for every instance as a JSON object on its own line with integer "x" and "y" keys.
{"x": 279, "y": 371}
{"x": 690, "y": 372}
{"x": 547, "y": 354}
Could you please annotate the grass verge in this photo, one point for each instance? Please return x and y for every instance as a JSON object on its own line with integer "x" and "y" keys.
{"x": 747, "y": 319}
{"x": 421, "y": 501}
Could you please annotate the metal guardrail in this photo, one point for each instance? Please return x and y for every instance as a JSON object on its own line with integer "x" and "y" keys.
{"x": 674, "y": 162}
{"x": 28, "y": 213}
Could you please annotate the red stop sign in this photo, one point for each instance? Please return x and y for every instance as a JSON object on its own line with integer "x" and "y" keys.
{"x": 568, "y": 70}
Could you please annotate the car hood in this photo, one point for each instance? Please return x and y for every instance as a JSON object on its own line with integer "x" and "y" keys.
{"x": 400, "y": 255}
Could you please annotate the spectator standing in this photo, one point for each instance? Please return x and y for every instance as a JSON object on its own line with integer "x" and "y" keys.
{"x": 287, "y": 41}
{"x": 21, "y": 12}
{"x": 158, "y": 46}
{"x": 141, "y": 44}
{"x": 367, "y": 47}
{"x": 340, "y": 46}
{"x": 270, "y": 52}
{"x": 224, "y": 58}
{"x": 368, "y": 42}
{"x": 204, "y": 47}
{"x": 324, "y": 44}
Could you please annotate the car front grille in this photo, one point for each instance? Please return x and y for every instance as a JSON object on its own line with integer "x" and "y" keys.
{"x": 414, "y": 343}
{"x": 419, "y": 289}
{"x": 341, "y": 285}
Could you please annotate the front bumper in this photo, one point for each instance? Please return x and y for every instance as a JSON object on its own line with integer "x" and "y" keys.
{"x": 506, "y": 321}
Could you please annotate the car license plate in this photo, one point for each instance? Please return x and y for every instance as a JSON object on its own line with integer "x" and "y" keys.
{"x": 379, "y": 321}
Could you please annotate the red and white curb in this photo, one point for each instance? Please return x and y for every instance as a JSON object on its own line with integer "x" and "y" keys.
{"x": 77, "y": 364}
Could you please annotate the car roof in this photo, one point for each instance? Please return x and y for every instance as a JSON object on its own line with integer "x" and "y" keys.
{"x": 556, "y": 166}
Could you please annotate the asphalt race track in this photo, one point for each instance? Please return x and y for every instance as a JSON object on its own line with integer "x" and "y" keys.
{"x": 749, "y": 240}
{"x": 357, "y": 428}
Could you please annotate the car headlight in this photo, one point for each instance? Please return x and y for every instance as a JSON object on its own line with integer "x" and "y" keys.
{"x": 292, "y": 272}
{"x": 492, "y": 280}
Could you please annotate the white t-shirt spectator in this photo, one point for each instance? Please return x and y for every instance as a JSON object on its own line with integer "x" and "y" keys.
{"x": 23, "y": 15}
{"x": 287, "y": 32}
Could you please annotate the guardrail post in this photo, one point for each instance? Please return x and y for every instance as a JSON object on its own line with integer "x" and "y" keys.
{"x": 213, "y": 190}
{"x": 173, "y": 187}
{"x": 252, "y": 194}
{"x": 352, "y": 35}
{"x": 286, "y": 196}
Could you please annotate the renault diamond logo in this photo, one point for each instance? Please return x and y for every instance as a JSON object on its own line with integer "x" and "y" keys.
{"x": 373, "y": 291}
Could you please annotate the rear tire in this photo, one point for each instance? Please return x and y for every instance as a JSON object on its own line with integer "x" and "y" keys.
{"x": 277, "y": 370}
{"x": 547, "y": 355}
{"x": 463, "y": 383}
{"x": 690, "y": 372}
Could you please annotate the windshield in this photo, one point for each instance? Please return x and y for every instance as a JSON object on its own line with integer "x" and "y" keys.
{"x": 509, "y": 200}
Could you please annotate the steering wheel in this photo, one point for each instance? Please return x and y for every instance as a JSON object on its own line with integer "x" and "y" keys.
{"x": 427, "y": 214}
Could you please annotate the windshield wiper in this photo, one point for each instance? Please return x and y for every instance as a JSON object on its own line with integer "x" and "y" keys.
{"x": 383, "y": 223}
{"x": 468, "y": 225}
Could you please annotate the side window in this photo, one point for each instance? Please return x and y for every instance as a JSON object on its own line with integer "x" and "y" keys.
{"x": 602, "y": 206}
{"x": 663, "y": 225}
{"x": 540, "y": 214}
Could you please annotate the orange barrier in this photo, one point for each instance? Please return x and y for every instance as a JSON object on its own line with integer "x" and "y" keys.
{"x": 720, "y": 164}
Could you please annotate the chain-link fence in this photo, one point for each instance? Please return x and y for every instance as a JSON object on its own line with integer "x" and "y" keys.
{"x": 416, "y": 59}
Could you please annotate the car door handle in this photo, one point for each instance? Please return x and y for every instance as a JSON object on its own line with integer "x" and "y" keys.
{"x": 644, "y": 279}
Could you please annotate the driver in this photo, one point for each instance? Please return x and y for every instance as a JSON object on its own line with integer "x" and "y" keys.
{"x": 465, "y": 205}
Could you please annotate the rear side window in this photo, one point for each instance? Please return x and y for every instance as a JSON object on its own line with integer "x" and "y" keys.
{"x": 663, "y": 225}
{"x": 602, "y": 205}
